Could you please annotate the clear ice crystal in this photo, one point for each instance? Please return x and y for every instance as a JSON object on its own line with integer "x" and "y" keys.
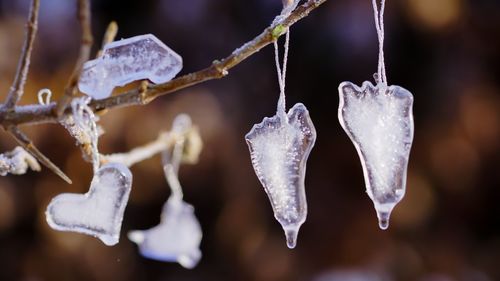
{"x": 99, "y": 212}
{"x": 176, "y": 239}
{"x": 279, "y": 148}
{"x": 128, "y": 60}
{"x": 379, "y": 122}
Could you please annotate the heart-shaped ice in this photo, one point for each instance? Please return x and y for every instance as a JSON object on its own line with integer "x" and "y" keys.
{"x": 99, "y": 212}
{"x": 379, "y": 121}
{"x": 176, "y": 239}
{"x": 279, "y": 148}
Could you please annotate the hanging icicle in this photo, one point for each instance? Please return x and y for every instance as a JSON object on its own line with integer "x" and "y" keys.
{"x": 279, "y": 148}
{"x": 178, "y": 236}
{"x": 379, "y": 121}
{"x": 99, "y": 212}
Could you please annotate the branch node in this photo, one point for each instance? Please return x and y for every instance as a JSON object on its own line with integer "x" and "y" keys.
{"x": 278, "y": 30}
{"x": 143, "y": 89}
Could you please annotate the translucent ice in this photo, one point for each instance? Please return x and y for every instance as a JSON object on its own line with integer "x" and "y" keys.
{"x": 99, "y": 212}
{"x": 127, "y": 60}
{"x": 379, "y": 121}
{"x": 279, "y": 148}
{"x": 176, "y": 239}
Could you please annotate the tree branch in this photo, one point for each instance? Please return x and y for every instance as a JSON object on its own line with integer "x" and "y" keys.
{"x": 84, "y": 17}
{"x": 17, "y": 88}
{"x": 218, "y": 69}
{"x": 28, "y": 145}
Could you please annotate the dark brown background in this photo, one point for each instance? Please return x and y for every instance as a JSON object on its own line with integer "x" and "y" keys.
{"x": 447, "y": 53}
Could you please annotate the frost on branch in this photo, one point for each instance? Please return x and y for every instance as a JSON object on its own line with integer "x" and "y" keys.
{"x": 137, "y": 58}
{"x": 379, "y": 121}
{"x": 17, "y": 162}
{"x": 279, "y": 148}
{"x": 288, "y": 7}
{"x": 80, "y": 133}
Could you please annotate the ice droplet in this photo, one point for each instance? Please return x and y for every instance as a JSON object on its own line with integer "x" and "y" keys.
{"x": 128, "y": 60}
{"x": 379, "y": 122}
{"x": 99, "y": 212}
{"x": 291, "y": 233}
{"x": 279, "y": 148}
{"x": 176, "y": 239}
{"x": 383, "y": 219}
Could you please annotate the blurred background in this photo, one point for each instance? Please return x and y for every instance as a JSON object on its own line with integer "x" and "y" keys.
{"x": 447, "y": 228}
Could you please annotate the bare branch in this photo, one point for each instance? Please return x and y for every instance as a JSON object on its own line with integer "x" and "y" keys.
{"x": 218, "y": 69}
{"x": 17, "y": 88}
{"x": 71, "y": 90}
{"x": 28, "y": 145}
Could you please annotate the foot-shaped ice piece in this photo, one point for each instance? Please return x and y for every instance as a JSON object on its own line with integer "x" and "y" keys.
{"x": 176, "y": 239}
{"x": 379, "y": 121}
{"x": 99, "y": 212}
{"x": 279, "y": 148}
{"x": 127, "y": 60}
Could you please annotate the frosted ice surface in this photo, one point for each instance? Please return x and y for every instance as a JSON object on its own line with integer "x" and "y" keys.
{"x": 176, "y": 239}
{"x": 127, "y": 60}
{"x": 279, "y": 148}
{"x": 379, "y": 121}
{"x": 99, "y": 212}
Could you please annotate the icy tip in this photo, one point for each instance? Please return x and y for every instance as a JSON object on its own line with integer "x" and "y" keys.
{"x": 291, "y": 237}
{"x": 383, "y": 219}
{"x": 190, "y": 260}
{"x": 136, "y": 236}
{"x": 384, "y": 213}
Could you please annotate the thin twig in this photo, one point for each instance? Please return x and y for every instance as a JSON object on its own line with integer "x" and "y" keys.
{"x": 17, "y": 88}
{"x": 28, "y": 145}
{"x": 139, "y": 154}
{"x": 109, "y": 36}
{"x": 71, "y": 90}
{"x": 164, "y": 141}
{"x": 218, "y": 69}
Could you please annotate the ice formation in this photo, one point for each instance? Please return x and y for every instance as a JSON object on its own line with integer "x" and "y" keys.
{"x": 127, "y": 60}
{"x": 176, "y": 239}
{"x": 99, "y": 212}
{"x": 178, "y": 236}
{"x": 379, "y": 121}
{"x": 279, "y": 148}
